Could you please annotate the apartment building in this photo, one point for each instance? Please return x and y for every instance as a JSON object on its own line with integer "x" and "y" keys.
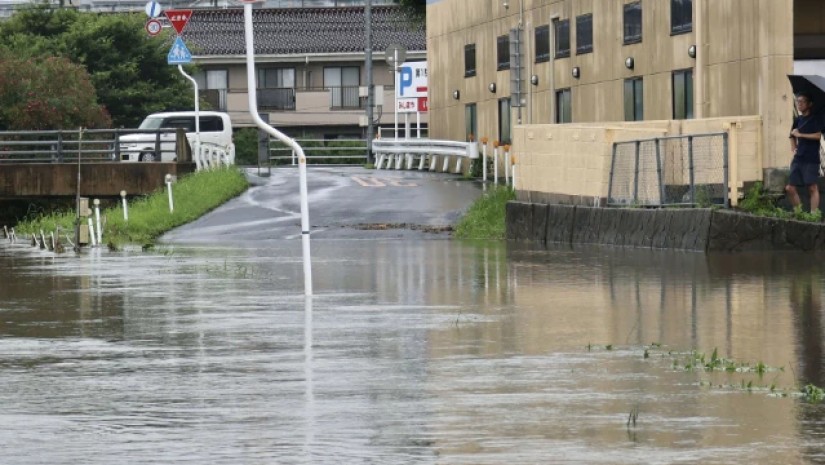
{"x": 310, "y": 64}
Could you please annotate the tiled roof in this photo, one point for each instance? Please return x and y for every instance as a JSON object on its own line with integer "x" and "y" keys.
{"x": 286, "y": 31}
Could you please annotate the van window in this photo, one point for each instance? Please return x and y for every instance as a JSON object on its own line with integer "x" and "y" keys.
{"x": 211, "y": 124}
{"x": 208, "y": 123}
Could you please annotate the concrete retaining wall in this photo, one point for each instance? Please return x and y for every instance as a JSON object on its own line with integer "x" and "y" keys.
{"x": 683, "y": 229}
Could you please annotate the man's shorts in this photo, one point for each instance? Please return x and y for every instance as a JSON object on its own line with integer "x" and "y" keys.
{"x": 804, "y": 174}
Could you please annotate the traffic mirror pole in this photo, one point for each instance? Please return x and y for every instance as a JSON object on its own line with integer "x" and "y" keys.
{"x": 302, "y": 161}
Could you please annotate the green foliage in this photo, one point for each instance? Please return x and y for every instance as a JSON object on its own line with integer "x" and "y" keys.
{"x": 47, "y": 93}
{"x": 758, "y": 201}
{"x": 246, "y": 146}
{"x": 149, "y": 217}
{"x": 127, "y": 68}
{"x": 485, "y": 218}
{"x": 813, "y": 394}
{"x": 416, "y": 8}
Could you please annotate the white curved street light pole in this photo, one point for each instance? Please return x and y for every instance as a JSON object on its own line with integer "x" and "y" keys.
{"x": 302, "y": 162}
{"x": 197, "y": 148}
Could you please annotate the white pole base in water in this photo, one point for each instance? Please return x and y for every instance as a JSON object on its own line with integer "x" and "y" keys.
{"x": 299, "y": 152}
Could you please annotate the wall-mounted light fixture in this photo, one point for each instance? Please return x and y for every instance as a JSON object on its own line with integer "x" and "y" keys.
{"x": 456, "y": 94}
{"x": 629, "y": 63}
{"x": 492, "y": 87}
{"x": 534, "y": 79}
{"x": 576, "y": 72}
{"x": 506, "y": 4}
{"x": 692, "y": 51}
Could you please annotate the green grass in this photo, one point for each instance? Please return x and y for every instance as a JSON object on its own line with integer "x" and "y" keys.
{"x": 149, "y": 216}
{"x": 485, "y": 218}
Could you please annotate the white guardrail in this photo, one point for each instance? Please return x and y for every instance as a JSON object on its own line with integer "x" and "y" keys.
{"x": 401, "y": 153}
{"x": 210, "y": 156}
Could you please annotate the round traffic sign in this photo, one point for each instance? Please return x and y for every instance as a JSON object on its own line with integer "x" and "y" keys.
{"x": 153, "y": 27}
{"x": 153, "y": 9}
{"x": 395, "y": 52}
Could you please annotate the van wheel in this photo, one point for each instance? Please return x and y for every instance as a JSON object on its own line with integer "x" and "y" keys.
{"x": 148, "y": 156}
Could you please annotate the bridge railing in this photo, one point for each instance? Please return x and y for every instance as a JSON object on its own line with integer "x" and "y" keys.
{"x": 422, "y": 153}
{"x": 65, "y": 146}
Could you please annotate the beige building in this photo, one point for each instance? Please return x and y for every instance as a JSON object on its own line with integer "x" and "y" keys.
{"x": 618, "y": 70}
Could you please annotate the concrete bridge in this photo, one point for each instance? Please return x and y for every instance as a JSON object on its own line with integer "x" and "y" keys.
{"x": 99, "y": 179}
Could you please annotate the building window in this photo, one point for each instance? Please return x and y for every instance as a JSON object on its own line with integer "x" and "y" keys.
{"x": 683, "y": 94}
{"x": 561, "y": 29}
{"x": 504, "y": 123}
{"x": 634, "y": 102}
{"x": 584, "y": 34}
{"x": 543, "y": 43}
{"x": 681, "y": 16}
{"x": 564, "y": 110}
{"x": 274, "y": 78}
{"x": 633, "y": 23}
{"x": 342, "y": 83}
{"x": 471, "y": 122}
{"x": 213, "y": 85}
{"x": 469, "y": 60}
{"x": 503, "y": 52}
{"x": 276, "y": 88}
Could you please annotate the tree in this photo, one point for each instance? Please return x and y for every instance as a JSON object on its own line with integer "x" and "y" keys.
{"x": 49, "y": 93}
{"x": 127, "y": 68}
{"x": 417, "y": 8}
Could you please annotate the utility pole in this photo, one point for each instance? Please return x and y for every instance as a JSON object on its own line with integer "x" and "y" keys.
{"x": 370, "y": 87}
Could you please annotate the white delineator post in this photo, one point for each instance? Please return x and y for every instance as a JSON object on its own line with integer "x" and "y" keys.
{"x": 302, "y": 161}
{"x": 97, "y": 221}
{"x": 125, "y": 206}
{"x": 169, "y": 189}
{"x": 197, "y": 147}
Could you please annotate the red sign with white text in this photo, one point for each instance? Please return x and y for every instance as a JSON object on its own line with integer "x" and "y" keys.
{"x": 423, "y": 103}
{"x": 178, "y": 18}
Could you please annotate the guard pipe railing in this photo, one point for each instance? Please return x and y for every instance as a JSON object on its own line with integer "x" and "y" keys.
{"x": 403, "y": 153}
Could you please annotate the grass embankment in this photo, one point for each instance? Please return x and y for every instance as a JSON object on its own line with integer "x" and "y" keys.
{"x": 485, "y": 218}
{"x": 149, "y": 216}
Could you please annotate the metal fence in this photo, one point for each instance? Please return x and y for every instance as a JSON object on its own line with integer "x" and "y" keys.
{"x": 59, "y": 146}
{"x": 320, "y": 152}
{"x": 679, "y": 170}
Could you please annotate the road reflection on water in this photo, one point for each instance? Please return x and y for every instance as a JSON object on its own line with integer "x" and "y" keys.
{"x": 429, "y": 351}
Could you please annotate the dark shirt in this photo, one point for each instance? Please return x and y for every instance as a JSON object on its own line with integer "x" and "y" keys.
{"x": 807, "y": 150}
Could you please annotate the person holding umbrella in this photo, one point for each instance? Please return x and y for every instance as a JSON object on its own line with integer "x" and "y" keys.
{"x": 805, "y": 135}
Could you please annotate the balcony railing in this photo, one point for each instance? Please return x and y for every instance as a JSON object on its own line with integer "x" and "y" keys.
{"x": 282, "y": 99}
{"x": 344, "y": 98}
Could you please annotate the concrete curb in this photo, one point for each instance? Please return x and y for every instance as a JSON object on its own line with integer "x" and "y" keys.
{"x": 679, "y": 229}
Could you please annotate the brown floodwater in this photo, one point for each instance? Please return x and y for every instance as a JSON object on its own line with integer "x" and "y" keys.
{"x": 411, "y": 352}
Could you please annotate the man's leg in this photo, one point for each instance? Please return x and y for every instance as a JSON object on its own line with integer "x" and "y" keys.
{"x": 793, "y": 195}
{"x": 813, "y": 190}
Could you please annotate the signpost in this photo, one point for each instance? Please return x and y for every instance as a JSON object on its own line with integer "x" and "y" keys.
{"x": 178, "y": 18}
{"x": 153, "y": 27}
{"x": 179, "y": 54}
{"x": 153, "y": 9}
{"x": 411, "y": 93}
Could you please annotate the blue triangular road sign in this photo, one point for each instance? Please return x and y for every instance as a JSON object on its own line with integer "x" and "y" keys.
{"x": 179, "y": 54}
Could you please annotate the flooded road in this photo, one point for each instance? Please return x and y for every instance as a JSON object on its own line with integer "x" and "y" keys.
{"x": 411, "y": 352}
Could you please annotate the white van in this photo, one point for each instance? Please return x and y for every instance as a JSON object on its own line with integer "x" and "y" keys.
{"x": 215, "y": 128}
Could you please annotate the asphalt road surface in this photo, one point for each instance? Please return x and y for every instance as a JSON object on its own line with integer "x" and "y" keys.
{"x": 344, "y": 202}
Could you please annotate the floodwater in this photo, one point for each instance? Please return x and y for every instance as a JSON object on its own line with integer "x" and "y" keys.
{"x": 411, "y": 352}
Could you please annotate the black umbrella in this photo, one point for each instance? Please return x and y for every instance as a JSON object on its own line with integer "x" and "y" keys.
{"x": 812, "y": 85}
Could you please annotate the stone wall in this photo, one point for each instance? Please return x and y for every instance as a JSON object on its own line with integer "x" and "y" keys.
{"x": 682, "y": 229}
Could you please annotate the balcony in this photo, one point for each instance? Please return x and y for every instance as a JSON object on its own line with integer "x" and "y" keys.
{"x": 345, "y": 98}
{"x": 277, "y": 99}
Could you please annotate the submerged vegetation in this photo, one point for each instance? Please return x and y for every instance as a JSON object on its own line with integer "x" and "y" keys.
{"x": 485, "y": 218}
{"x": 699, "y": 362}
{"x": 149, "y": 216}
